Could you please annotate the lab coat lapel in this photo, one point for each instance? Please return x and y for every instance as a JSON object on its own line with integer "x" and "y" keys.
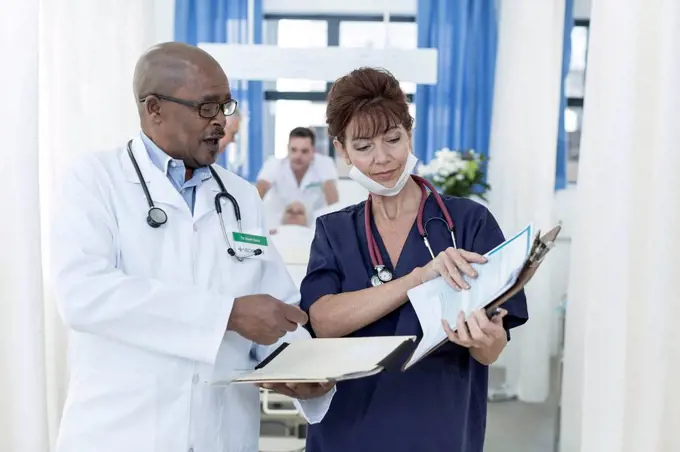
{"x": 205, "y": 198}
{"x": 159, "y": 186}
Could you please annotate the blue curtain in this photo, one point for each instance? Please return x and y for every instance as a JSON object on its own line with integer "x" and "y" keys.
{"x": 562, "y": 139}
{"x": 226, "y": 21}
{"x": 456, "y": 112}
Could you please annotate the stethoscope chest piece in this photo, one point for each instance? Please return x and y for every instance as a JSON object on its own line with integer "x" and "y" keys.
{"x": 156, "y": 217}
{"x": 383, "y": 274}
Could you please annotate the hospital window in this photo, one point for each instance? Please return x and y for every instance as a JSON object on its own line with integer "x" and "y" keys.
{"x": 575, "y": 91}
{"x": 294, "y": 113}
{"x": 372, "y": 35}
{"x": 291, "y": 103}
{"x": 301, "y": 34}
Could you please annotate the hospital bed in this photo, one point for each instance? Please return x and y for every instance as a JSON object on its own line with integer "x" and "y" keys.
{"x": 293, "y": 243}
{"x": 278, "y": 411}
{"x": 279, "y": 444}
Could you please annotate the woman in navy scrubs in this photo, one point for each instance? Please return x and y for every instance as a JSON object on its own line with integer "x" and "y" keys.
{"x": 440, "y": 403}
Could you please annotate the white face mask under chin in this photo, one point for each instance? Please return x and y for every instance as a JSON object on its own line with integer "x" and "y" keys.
{"x": 379, "y": 189}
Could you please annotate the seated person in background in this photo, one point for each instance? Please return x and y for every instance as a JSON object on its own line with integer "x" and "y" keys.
{"x": 304, "y": 175}
{"x": 295, "y": 214}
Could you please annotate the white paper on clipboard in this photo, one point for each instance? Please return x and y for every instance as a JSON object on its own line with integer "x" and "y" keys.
{"x": 436, "y": 300}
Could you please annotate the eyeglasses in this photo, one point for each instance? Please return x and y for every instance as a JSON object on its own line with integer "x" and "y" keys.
{"x": 207, "y": 110}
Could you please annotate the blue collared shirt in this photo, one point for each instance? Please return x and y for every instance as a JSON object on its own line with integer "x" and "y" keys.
{"x": 176, "y": 171}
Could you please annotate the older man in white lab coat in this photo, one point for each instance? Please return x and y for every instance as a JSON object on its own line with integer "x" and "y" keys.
{"x": 159, "y": 304}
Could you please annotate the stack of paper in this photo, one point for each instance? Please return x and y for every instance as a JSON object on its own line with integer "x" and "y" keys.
{"x": 508, "y": 268}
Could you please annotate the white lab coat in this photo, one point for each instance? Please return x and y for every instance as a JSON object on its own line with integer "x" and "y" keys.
{"x": 148, "y": 308}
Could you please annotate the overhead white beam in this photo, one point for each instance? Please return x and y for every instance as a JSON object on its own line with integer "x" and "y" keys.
{"x": 349, "y": 7}
{"x": 268, "y": 62}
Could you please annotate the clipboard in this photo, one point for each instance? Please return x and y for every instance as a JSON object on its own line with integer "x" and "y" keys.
{"x": 541, "y": 246}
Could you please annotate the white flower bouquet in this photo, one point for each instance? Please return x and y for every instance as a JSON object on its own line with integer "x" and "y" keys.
{"x": 457, "y": 173}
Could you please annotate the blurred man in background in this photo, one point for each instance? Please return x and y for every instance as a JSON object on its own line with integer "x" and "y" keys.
{"x": 304, "y": 176}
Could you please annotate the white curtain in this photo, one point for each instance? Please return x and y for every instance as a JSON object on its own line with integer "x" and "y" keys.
{"x": 88, "y": 53}
{"x": 69, "y": 92}
{"x": 522, "y": 166}
{"x": 622, "y": 361}
{"x": 23, "y": 420}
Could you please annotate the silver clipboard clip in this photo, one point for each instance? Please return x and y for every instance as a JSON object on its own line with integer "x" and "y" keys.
{"x": 542, "y": 245}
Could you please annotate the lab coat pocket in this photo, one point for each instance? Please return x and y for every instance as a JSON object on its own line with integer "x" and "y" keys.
{"x": 101, "y": 402}
{"x": 233, "y": 359}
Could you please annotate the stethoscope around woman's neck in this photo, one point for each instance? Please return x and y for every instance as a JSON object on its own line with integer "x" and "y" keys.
{"x": 380, "y": 273}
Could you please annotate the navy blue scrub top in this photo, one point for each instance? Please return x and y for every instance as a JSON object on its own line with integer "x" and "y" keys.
{"x": 440, "y": 403}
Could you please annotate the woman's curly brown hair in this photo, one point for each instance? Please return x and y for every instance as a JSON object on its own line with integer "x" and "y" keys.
{"x": 369, "y": 99}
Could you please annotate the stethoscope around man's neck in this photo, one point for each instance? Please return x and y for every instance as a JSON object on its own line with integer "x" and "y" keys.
{"x": 157, "y": 217}
{"x": 380, "y": 273}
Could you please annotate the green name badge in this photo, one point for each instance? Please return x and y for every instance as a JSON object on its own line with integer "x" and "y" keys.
{"x": 250, "y": 239}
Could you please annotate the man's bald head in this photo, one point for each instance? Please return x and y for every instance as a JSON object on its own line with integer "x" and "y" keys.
{"x": 182, "y": 94}
{"x": 165, "y": 68}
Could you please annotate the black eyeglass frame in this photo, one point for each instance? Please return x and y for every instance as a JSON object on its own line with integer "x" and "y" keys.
{"x": 230, "y": 104}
